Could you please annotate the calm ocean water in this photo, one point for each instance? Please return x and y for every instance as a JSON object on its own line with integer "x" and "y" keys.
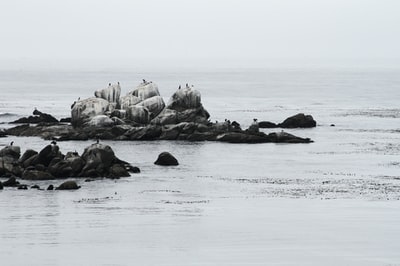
{"x": 332, "y": 202}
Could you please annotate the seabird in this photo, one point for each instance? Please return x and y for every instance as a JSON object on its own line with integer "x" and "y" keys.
{"x": 109, "y": 84}
{"x": 97, "y": 140}
{"x": 144, "y": 81}
{"x": 54, "y": 142}
{"x": 11, "y": 143}
{"x": 179, "y": 87}
{"x": 187, "y": 85}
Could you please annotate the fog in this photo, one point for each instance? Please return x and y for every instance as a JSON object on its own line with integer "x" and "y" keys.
{"x": 182, "y": 33}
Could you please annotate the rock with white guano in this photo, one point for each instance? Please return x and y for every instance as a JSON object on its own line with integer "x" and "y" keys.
{"x": 100, "y": 121}
{"x": 186, "y": 98}
{"x": 146, "y": 90}
{"x": 138, "y": 114}
{"x": 154, "y": 105}
{"x": 129, "y": 100}
{"x": 112, "y": 94}
{"x": 82, "y": 111}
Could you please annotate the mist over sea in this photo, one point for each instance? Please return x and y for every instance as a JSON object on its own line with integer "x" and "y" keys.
{"x": 332, "y": 202}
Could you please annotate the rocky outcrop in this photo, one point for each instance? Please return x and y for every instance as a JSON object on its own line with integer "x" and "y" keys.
{"x": 112, "y": 94}
{"x": 83, "y": 110}
{"x": 145, "y": 91}
{"x": 98, "y": 160}
{"x": 299, "y": 120}
{"x": 166, "y": 159}
{"x": 68, "y": 185}
{"x": 38, "y": 117}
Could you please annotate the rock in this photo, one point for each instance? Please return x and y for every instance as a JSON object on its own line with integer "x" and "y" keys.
{"x": 253, "y": 128}
{"x": 299, "y": 120}
{"x": 154, "y": 105}
{"x": 68, "y": 185}
{"x": 11, "y": 182}
{"x": 146, "y": 90}
{"x": 13, "y": 152}
{"x": 134, "y": 169}
{"x": 138, "y": 114}
{"x": 35, "y": 187}
{"x": 129, "y": 100}
{"x": 267, "y": 124}
{"x": 121, "y": 114}
{"x": 283, "y": 137}
{"x": 50, "y": 187}
{"x": 38, "y": 117}
{"x": 166, "y": 158}
{"x": 185, "y": 98}
{"x": 9, "y": 165}
{"x": 61, "y": 169}
{"x": 36, "y": 175}
{"x": 236, "y": 137}
{"x": 27, "y": 154}
{"x": 112, "y": 94}
{"x": 100, "y": 121}
{"x": 22, "y": 187}
{"x": 149, "y": 132}
{"x": 118, "y": 170}
{"x": 47, "y": 154}
{"x": 100, "y": 160}
{"x": 83, "y": 110}
{"x": 65, "y": 120}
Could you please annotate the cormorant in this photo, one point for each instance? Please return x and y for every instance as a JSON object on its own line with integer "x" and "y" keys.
{"x": 11, "y": 143}
{"x": 179, "y": 87}
{"x": 144, "y": 81}
{"x": 187, "y": 86}
{"x": 109, "y": 84}
{"x": 54, "y": 142}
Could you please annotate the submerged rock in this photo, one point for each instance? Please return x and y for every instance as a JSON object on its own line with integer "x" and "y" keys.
{"x": 68, "y": 185}
{"x": 166, "y": 158}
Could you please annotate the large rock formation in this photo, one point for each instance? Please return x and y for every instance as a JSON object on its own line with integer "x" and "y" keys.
{"x": 98, "y": 160}
{"x": 38, "y": 117}
{"x": 83, "y": 110}
{"x": 112, "y": 94}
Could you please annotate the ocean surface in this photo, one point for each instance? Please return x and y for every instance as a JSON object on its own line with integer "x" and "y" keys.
{"x": 331, "y": 202}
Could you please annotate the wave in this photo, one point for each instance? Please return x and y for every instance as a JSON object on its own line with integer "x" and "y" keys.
{"x": 2, "y": 115}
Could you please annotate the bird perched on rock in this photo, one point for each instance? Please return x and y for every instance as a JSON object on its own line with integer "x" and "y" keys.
{"x": 54, "y": 142}
{"x": 11, "y": 143}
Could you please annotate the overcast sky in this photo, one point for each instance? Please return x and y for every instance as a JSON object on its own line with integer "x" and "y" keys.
{"x": 240, "y": 33}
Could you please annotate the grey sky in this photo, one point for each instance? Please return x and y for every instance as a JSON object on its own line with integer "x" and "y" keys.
{"x": 204, "y": 32}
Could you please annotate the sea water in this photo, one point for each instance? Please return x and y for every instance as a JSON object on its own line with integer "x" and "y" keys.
{"x": 331, "y": 202}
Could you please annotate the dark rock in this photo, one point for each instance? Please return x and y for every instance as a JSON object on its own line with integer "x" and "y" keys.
{"x": 236, "y": 137}
{"x": 13, "y": 152}
{"x": 149, "y": 132}
{"x": 134, "y": 169}
{"x": 35, "y": 186}
{"x": 299, "y": 120}
{"x": 40, "y": 167}
{"x": 1, "y": 186}
{"x": 11, "y": 182}
{"x": 266, "y": 124}
{"x": 68, "y": 185}
{"x": 118, "y": 170}
{"x": 332, "y": 125}
{"x": 65, "y": 120}
{"x": 27, "y": 154}
{"x": 50, "y": 187}
{"x": 36, "y": 175}
{"x": 166, "y": 158}
{"x": 22, "y": 187}
{"x": 283, "y": 137}
{"x": 38, "y": 117}
{"x": 47, "y": 154}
